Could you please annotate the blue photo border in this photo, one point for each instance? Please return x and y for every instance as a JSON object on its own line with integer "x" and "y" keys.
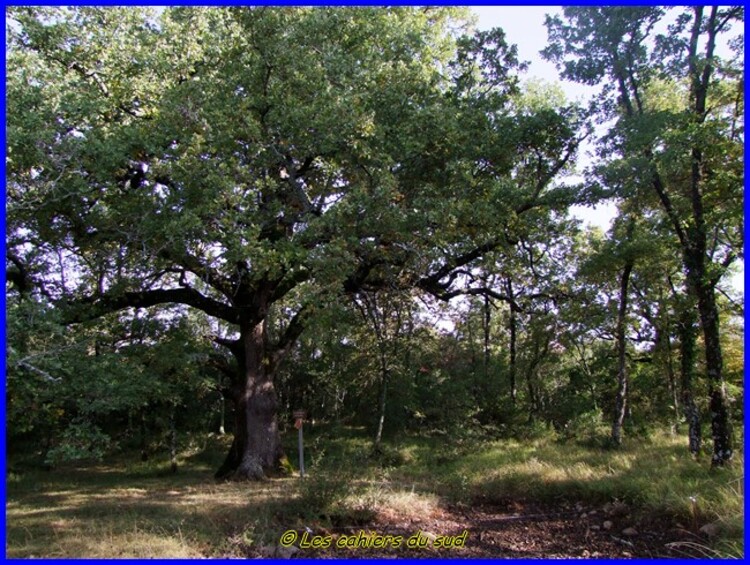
{"x": 334, "y": 3}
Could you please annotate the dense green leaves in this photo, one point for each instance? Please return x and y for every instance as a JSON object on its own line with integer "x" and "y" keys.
{"x": 204, "y": 177}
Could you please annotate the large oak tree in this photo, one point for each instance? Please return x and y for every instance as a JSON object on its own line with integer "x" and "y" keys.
{"x": 231, "y": 159}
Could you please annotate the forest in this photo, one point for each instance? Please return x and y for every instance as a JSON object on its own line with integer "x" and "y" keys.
{"x": 219, "y": 217}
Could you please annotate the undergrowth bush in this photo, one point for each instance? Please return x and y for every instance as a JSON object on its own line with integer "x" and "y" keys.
{"x": 81, "y": 441}
{"x": 587, "y": 428}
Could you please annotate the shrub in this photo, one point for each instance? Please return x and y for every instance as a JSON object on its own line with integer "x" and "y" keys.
{"x": 588, "y": 427}
{"x": 80, "y": 441}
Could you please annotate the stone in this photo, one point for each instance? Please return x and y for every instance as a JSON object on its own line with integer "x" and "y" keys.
{"x": 607, "y": 525}
{"x": 710, "y": 530}
{"x": 619, "y": 508}
{"x": 595, "y": 528}
{"x": 267, "y": 550}
{"x": 630, "y": 532}
{"x": 286, "y": 552}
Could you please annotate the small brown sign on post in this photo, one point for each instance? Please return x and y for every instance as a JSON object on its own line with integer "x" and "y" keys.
{"x": 299, "y": 416}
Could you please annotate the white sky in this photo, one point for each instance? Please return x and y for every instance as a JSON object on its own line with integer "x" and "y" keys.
{"x": 524, "y": 27}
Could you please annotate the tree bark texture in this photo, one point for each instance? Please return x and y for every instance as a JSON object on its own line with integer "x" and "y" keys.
{"x": 513, "y": 328}
{"x": 718, "y": 404}
{"x": 697, "y": 260}
{"x": 487, "y": 320}
{"x": 382, "y": 400}
{"x": 687, "y": 332}
{"x": 256, "y": 449}
{"x": 172, "y": 439}
{"x": 622, "y": 369}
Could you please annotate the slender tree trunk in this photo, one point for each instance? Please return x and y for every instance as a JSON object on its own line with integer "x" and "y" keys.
{"x": 382, "y": 400}
{"x": 487, "y": 319}
{"x": 470, "y": 330}
{"x": 222, "y": 414}
{"x": 385, "y": 319}
{"x": 172, "y": 439}
{"x": 622, "y": 369}
{"x": 144, "y": 450}
{"x": 532, "y": 396}
{"x": 696, "y": 252}
{"x": 693, "y": 239}
{"x": 663, "y": 350}
{"x": 671, "y": 380}
{"x": 540, "y": 351}
{"x": 687, "y": 327}
{"x": 513, "y": 327}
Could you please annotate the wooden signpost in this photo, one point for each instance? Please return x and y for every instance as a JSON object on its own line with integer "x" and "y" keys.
{"x": 299, "y": 418}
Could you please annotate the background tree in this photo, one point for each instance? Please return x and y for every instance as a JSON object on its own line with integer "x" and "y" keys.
{"x": 688, "y": 155}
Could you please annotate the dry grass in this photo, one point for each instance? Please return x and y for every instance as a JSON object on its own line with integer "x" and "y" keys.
{"x": 89, "y": 512}
{"x": 136, "y": 510}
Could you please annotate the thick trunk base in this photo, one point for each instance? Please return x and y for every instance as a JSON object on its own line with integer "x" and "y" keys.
{"x": 256, "y": 451}
{"x": 243, "y": 465}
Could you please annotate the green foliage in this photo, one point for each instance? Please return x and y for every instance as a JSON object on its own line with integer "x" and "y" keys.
{"x": 332, "y": 157}
{"x": 80, "y": 441}
{"x": 587, "y": 427}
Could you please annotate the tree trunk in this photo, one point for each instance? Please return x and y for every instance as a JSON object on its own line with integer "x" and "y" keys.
{"x": 382, "y": 400}
{"x": 533, "y": 406}
{"x": 256, "y": 449}
{"x": 486, "y": 327}
{"x": 172, "y": 439}
{"x": 144, "y": 450}
{"x": 687, "y": 377}
{"x": 622, "y": 369}
{"x": 663, "y": 351}
{"x": 671, "y": 380}
{"x": 222, "y": 412}
{"x": 720, "y": 425}
{"x": 696, "y": 254}
{"x": 540, "y": 351}
{"x": 513, "y": 327}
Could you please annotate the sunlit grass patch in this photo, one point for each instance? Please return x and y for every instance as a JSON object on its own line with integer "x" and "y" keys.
{"x": 125, "y": 510}
{"x": 121, "y": 510}
{"x": 657, "y": 476}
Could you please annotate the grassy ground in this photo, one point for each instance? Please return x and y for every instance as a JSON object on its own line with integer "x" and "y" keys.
{"x": 131, "y": 509}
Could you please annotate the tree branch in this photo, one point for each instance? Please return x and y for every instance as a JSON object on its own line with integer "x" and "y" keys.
{"x": 293, "y": 330}
{"x": 431, "y": 283}
{"x": 92, "y": 307}
{"x": 204, "y": 272}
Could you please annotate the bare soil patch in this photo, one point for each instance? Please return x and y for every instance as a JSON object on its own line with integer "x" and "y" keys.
{"x": 515, "y": 529}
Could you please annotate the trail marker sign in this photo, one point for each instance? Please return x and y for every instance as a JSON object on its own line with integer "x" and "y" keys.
{"x": 299, "y": 416}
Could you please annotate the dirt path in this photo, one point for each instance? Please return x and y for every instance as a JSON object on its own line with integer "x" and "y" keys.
{"x": 512, "y": 530}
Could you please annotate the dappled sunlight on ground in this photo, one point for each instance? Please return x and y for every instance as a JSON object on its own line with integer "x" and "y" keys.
{"x": 518, "y": 499}
{"x": 174, "y": 516}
